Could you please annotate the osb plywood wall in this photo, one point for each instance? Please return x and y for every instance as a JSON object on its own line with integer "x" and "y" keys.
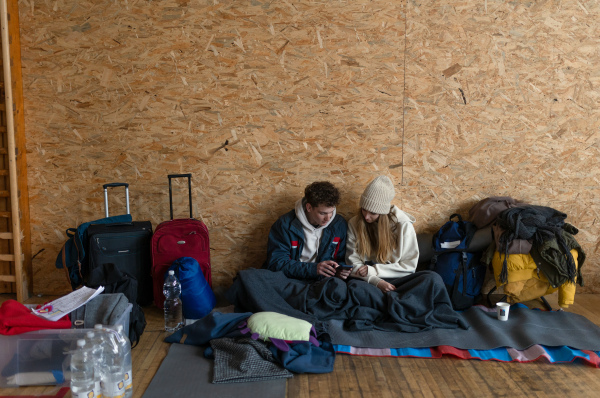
{"x": 454, "y": 100}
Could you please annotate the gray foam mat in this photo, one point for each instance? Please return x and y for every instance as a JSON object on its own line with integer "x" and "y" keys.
{"x": 524, "y": 328}
{"x": 186, "y": 373}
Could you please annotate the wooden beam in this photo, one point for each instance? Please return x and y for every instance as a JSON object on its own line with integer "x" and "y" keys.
{"x": 20, "y": 144}
{"x": 8, "y": 35}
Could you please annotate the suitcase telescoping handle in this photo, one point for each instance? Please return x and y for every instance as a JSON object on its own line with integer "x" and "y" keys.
{"x": 189, "y": 177}
{"x": 113, "y": 185}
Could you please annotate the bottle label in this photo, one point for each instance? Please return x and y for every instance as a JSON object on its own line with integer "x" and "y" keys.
{"x": 114, "y": 389}
{"x": 83, "y": 394}
{"x": 128, "y": 381}
{"x": 97, "y": 390}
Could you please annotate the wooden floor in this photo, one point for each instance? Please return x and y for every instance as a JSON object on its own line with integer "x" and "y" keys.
{"x": 396, "y": 377}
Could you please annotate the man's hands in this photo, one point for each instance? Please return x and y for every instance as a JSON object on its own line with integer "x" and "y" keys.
{"x": 386, "y": 286}
{"x": 327, "y": 268}
{"x": 331, "y": 268}
{"x": 343, "y": 273}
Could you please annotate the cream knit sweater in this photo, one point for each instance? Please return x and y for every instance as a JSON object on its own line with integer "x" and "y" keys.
{"x": 403, "y": 260}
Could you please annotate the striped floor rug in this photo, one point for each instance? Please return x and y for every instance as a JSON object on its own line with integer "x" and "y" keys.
{"x": 569, "y": 337}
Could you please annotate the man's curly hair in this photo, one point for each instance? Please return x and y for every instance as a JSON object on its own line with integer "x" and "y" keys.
{"x": 322, "y": 193}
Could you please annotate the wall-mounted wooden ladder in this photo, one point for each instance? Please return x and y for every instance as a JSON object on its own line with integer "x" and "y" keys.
{"x": 15, "y": 239}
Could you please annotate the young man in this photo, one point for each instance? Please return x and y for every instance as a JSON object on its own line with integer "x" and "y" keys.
{"x": 309, "y": 242}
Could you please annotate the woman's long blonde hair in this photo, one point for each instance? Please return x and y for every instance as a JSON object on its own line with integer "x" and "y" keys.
{"x": 377, "y": 239}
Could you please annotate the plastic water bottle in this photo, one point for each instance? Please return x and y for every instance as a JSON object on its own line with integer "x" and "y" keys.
{"x": 94, "y": 342}
{"x": 113, "y": 377}
{"x": 82, "y": 372}
{"x": 126, "y": 349}
{"x": 173, "y": 306}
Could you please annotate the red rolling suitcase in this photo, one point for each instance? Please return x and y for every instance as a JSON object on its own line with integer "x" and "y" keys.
{"x": 173, "y": 239}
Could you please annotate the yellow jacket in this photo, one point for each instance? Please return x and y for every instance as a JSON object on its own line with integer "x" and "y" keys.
{"x": 525, "y": 282}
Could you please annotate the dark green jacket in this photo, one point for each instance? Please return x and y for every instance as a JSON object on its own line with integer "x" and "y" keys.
{"x": 551, "y": 260}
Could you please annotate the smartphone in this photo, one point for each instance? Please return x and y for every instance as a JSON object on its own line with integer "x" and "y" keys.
{"x": 346, "y": 266}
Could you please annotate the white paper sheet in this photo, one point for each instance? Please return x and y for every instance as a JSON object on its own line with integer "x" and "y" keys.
{"x": 60, "y": 307}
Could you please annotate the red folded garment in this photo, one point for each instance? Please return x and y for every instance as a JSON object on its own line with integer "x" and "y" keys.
{"x": 15, "y": 318}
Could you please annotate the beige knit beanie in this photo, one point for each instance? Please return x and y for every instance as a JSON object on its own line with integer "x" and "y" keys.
{"x": 378, "y": 195}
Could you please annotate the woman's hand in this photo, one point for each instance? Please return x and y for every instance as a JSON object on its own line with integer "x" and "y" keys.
{"x": 363, "y": 270}
{"x": 386, "y": 287}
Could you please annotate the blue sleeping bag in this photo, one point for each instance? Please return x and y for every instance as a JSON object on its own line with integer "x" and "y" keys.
{"x": 197, "y": 297}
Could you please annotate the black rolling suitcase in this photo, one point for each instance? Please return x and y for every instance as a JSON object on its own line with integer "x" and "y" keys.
{"x": 126, "y": 245}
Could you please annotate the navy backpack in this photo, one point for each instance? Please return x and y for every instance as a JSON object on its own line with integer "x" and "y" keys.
{"x": 462, "y": 271}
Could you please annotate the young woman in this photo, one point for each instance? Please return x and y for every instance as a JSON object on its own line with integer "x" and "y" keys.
{"x": 382, "y": 243}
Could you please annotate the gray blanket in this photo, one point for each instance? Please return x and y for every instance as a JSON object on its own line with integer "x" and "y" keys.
{"x": 419, "y": 303}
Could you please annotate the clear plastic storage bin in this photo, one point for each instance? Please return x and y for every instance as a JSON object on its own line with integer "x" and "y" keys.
{"x": 42, "y": 357}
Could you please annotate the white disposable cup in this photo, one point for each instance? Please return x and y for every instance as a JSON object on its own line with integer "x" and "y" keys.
{"x": 502, "y": 309}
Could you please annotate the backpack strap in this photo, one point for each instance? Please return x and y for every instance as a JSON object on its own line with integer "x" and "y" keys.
{"x": 546, "y": 303}
{"x": 455, "y": 215}
{"x": 433, "y": 262}
{"x": 63, "y": 256}
{"x": 137, "y": 324}
{"x": 489, "y": 300}
{"x": 447, "y": 226}
{"x": 72, "y": 233}
{"x": 78, "y": 263}
{"x": 462, "y": 269}
{"x": 465, "y": 272}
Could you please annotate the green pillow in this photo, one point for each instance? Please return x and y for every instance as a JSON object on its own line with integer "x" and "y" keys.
{"x": 278, "y": 326}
